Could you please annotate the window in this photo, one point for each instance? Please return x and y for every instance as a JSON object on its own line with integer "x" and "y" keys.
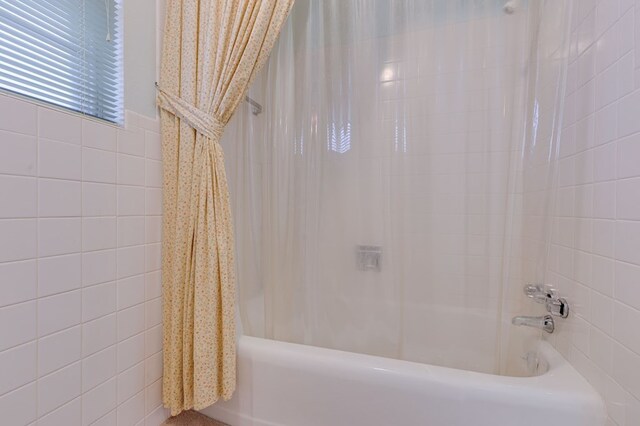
{"x": 64, "y": 52}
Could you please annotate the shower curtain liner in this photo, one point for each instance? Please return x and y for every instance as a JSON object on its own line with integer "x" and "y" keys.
{"x": 212, "y": 50}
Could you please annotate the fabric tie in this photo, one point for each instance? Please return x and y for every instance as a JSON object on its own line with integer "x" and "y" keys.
{"x": 201, "y": 121}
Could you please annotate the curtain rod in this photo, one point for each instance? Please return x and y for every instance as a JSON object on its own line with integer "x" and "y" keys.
{"x": 256, "y": 108}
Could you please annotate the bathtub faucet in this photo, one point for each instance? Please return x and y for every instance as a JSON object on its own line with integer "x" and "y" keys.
{"x": 543, "y": 323}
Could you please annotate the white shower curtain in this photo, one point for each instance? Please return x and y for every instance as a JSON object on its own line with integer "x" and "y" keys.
{"x": 390, "y": 127}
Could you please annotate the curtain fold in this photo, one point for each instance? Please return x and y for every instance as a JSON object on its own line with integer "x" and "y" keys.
{"x": 212, "y": 50}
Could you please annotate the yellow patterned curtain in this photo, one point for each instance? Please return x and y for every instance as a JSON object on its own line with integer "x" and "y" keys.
{"x": 212, "y": 50}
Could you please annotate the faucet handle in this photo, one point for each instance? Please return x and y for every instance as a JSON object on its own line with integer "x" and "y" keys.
{"x": 538, "y": 293}
{"x": 558, "y": 307}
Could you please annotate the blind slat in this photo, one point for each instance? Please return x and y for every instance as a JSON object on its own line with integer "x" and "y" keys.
{"x": 56, "y": 51}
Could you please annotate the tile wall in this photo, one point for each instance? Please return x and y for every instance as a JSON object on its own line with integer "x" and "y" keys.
{"x": 80, "y": 289}
{"x": 595, "y": 256}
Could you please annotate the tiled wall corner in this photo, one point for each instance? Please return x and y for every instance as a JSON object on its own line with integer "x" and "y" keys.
{"x": 80, "y": 311}
{"x": 595, "y": 253}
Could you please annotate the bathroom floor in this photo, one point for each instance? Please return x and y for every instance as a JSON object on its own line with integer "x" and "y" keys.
{"x": 192, "y": 418}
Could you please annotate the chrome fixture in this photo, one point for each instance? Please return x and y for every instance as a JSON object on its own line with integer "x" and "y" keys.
{"x": 369, "y": 258}
{"x": 556, "y": 306}
{"x": 256, "y": 108}
{"x": 543, "y": 323}
{"x": 511, "y": 6}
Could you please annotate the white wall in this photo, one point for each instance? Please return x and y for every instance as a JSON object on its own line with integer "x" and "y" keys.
{"x": 595, "y": 257}
{"x": 80, "y": 305}
{"x": 141, "y": 22}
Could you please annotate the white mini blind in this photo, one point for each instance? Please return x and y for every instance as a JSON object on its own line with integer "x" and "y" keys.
{"x": 64, "y": 52}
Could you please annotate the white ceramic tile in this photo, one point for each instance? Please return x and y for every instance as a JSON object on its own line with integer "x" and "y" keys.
{"x": 99, "y": 233}
{"x": 626, "y": 369}
{"x": 131, "y": 170}
{"x": 98, "y": 165}
{"x": 601, "y": 350}
{"x": 603, "y": 272}
{"x": 58, "y": 312}
{"x": 98, "y": 199}
{"x": 131, "y": 201}
{"x": 602, "y": 312}
{"x": 98, "y": 267}
{"x": 68, "y": 414}
{"x": 23, "y": 314}
{"x": 604, "y": 200}
{"x": 157, "y": 416}
{"x": 99, "y": 334}
{"x": 604, "y": 163}
{"x": 131, "y": 142}
{"x": 98, "y": 300}
{"x": 131, "y": 231}
{"x": 59, "y": 160}
{"x": 131, "y": 291}
{"x": 627, "y": 284}
{"x": 58, "y": 388}
{"x": 153, "y": 312}
{"x": 58, "y": 198}
{"x": 627, "y": 241}
{"x": 153, "y": 201}
{"x": 21, "y": 237}
{"x": 109, "y": 419}
{"x": 153, "y": 284}
{"x": 132, "y": 120}
{"x": 18, "y": 116}
{"x": 59, "y": 236}
{"x": 130, "y": 321}
{"x": 59, "y": 126}
{"x": 59, "y": 274}
{"x": 153, "y": 229}
{"x": 131, "y": 411}
{"x": 131, "y": 351}
{"x": 18, "y": 367}
{"x": 73, "y": 286}
{"x": 98, "y": 402}
{"x": 153, "y": 256}
{"x": 131, "y": 261}
{"x": 19, "y": 407}
{"x": 19, "y": 197}
{"x": 628, "y": 152}
{"x": 58, "y": 350}
{"x": 98, "y": 368}
{"x": 19, "y": 154}
{"x": 627, "y": 200}
{"x": 98, "y": 135}
{"x": 18, "y": 282}
{"x": 153, "y": 145}
{"x": 153, "y": 173}
{"x": 151, "y": 124}
{"x": 153, "y": 368}
{"x": 153, "y": 396}
{"x": 628, "y": 110}
{"x": 153, "y": 340}
{"x": 603, "y": 237}
{"x": 130, "y": 382}
{"x": 625, "y": 326}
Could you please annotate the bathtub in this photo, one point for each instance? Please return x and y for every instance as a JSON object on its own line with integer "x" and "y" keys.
{"x": 296, "y": 385}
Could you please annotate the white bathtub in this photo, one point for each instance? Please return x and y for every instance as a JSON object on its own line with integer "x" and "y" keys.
{"x": 296, "y": 385}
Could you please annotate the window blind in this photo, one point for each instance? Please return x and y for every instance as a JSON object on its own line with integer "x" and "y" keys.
{"x": 64, "y": 52}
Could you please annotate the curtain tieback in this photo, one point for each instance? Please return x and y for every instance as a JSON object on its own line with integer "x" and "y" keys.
{"x": 202, "y": 122}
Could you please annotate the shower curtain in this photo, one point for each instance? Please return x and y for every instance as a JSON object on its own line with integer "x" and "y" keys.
{"x": 211, "y": 52}
{"x": 391, "y": 130}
